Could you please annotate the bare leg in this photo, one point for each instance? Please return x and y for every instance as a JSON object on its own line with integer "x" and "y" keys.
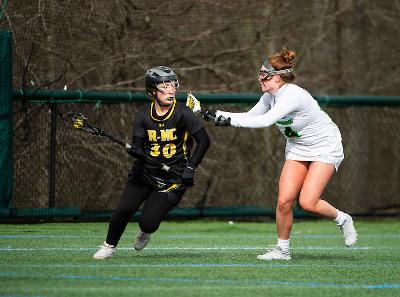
{"x": 314, "y": 184}
{"x": 290, "y": 184}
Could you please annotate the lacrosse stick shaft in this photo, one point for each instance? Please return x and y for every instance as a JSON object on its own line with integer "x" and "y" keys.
{"x": 80, "y": 124}
{"x": 120, "y": 142}
{"x": 210, "y": 116}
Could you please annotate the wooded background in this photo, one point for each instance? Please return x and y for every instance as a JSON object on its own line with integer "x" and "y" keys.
{"x": 344, "y": 47}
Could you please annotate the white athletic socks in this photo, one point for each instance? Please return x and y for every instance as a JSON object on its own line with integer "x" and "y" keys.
{"x": 340, "y": 218}
{"x": 283, "y": 244}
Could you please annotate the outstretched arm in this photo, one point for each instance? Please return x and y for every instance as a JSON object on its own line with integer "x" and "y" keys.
{"x": 260, "y": 121}
{"x": 279, "y": 111}
{"x": 260, "y": 108}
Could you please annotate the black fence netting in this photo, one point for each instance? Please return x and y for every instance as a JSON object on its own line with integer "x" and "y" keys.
{"x": 343, "y": 48}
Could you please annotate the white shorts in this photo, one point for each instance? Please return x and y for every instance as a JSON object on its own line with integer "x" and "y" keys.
{"x": 329, "y": 151}
{"x": 336, "y": 161}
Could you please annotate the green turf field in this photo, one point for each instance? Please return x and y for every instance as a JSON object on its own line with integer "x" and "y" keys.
{"x": 199, "y": 258}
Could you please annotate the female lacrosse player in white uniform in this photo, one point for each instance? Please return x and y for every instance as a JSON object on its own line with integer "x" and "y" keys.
{"x": 313, "y": 149}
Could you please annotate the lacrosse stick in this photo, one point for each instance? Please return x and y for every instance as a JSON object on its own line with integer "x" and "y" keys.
{"x": 80, "y": 123}
{"x": 194, "y": 104}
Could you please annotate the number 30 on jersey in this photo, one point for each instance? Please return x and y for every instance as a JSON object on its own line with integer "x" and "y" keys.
{"x": 168, "y": 149}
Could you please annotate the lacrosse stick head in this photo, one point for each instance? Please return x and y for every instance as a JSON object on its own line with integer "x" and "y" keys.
{"x": 78, "y": 119}
{"x": 79, "y": 122}
{"x": 193, "y": 103}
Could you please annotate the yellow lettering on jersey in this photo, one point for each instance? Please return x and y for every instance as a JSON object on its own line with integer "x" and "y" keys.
{"x": 152, "y": 135}
{"x": 155, "y": 150}
{"x": 169, "y": 150}
{"x": 168, "y": 134}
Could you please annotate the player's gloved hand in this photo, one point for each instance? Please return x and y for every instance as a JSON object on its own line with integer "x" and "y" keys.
{"x": 135, "y": 152}
{"x": 222, "y": 121}
{"x": 207, "y": 115}
{"x": 188, "y": 176}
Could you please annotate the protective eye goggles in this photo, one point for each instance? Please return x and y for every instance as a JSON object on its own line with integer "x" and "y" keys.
{"x": 168, "y": 86}
{"x": 267, "y": 74}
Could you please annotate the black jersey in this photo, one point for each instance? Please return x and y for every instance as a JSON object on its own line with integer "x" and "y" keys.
{"x": 166, "y": 139}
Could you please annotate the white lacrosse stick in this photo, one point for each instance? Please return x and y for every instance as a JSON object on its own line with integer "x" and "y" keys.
{"x": 193, "y": 103}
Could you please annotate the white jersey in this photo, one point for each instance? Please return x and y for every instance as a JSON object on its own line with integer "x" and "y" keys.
{"x": 311, "y": 134}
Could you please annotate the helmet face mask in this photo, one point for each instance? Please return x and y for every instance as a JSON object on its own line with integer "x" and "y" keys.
{"x": 168, "y": 86}
{"x": 160, "y": 78}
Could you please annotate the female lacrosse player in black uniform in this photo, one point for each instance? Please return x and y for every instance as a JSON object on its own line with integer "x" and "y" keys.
{"x": 162, "y": 133}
